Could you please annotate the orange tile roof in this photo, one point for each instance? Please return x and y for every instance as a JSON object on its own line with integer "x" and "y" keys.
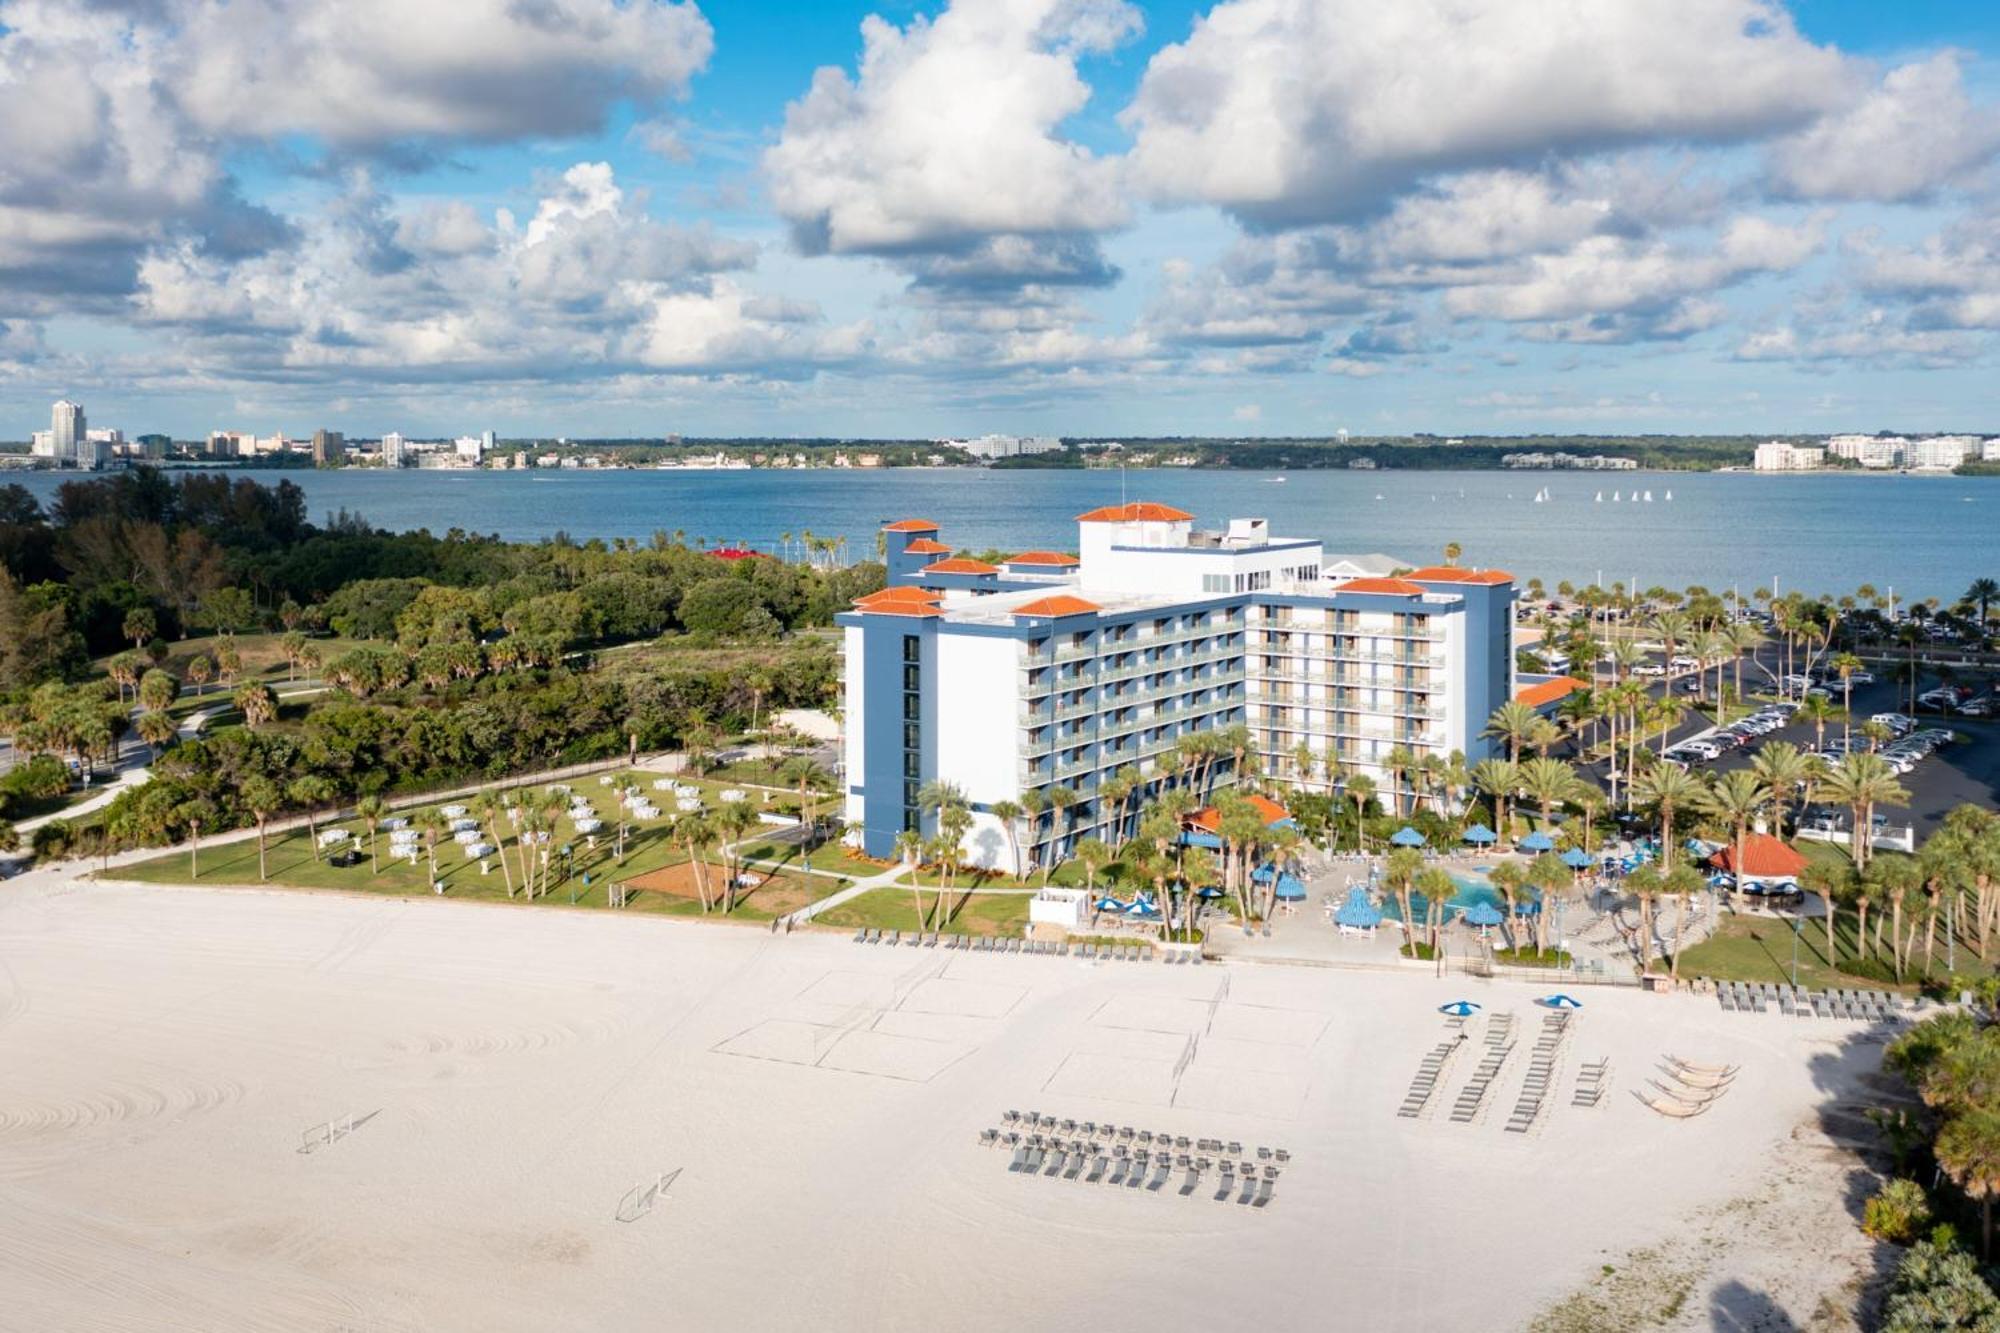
{"x": 1398, "y": 587}
{"x": 1547, "y": 691}
{"x": 1042, "y": 558}
{"x": 900, "y": 595}
{"x": 925, "y": 546}
{"x": 901, "y": 609}
{"x": 1058, "y": 605}
{"x": 1764, "y": 857}
{"x": 1453, "y": 574}
{"x": 1211, "y": 819}
{"x": 911, "y": 525}
{"x": 1137, "y": 512}
{"x": 961, "y": 567}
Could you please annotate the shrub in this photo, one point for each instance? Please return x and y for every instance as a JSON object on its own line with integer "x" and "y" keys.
{"x": 51, "y": 841}
{"x": 1898, "y": 1213}
{"x": 1935, "y": 1291}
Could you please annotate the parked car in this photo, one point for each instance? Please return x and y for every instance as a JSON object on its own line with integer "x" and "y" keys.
{"x": 1902, "y": 724}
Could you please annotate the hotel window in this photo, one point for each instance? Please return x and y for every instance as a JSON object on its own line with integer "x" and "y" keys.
{"x": 913, "y": 736}
{"x": 913, "y": 764}
{"x": 911, "y": 790}
{"x": 913, "y": 677}
{"x": 1215, "y": 583}
{"x": 913, "y": 648}
{"x": 913, "y": 708}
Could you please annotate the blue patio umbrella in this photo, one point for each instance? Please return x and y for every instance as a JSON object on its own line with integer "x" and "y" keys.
{"x": 1197, "y": 838}
{"x": 1109, "y": 904}
{"x": 1407, "y": 837}
{"x": 1480, "y": 834}
{"x": 1481, "y": 914}
{"x": 1560, "y": 1002}
{"x": 1577, "y": 859}
{"x": 1262, "y": 874}
{"x": 1458, "y": 1008}
{"x": 1537, "y": 841}
{"x": 1208, "y": 891}
{"x": 1357, "y": 912}
{"x": 1291, "y": 889}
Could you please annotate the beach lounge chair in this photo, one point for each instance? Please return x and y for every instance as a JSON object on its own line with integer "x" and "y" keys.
{"x": 1012, "y": 1117}
{"x": 1098, "y": 1165}
{"x": 1671, "y": 1110}
{"x": 1020, "y": 1162}
{"x": 861, "y": 935}
{"x": 895, "y": 937}
{"x": 916, "y": 939}
{"x": 1142, "y": 1165}
{"x": 1058, "y": 1159}
{"x": 1191, "y": 1180}
{"x": 1228, "y": 1182}
{"x": 1264, "y": 1188}
{"x": 988, "y": 1137}
{"x": 1194, "y": 959}
{"x": 1079, "y": 1153}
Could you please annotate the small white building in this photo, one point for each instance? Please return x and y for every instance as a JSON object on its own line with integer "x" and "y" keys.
{"x": 1870, "y": 451}
{"x": 1942, "y": 453}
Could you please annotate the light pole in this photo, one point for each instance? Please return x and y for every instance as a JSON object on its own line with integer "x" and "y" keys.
{"x": 1798, "y": 928}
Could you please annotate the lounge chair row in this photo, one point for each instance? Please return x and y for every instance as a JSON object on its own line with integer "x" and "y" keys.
{"x": 1797, "y": 1002}
{"x": 1429, "y": 1073}
{"x": 1541, "y": 1072}
{"x": 1590, "y": 1081}
{"x": 1130, "y": 1134}
{"x": 1124, "y": 953}
{"x": 1092, "y": 1162}
{"x": 1466, "y": 1109}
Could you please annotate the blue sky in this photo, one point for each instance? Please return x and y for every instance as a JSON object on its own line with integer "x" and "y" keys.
{"x": 1078, "y": 216}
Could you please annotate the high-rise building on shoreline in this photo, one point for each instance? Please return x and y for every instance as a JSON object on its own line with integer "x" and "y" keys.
{"x": 1055, "y": 670}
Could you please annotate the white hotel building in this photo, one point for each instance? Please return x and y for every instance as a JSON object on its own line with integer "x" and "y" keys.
{"x": 1054, "y": 670}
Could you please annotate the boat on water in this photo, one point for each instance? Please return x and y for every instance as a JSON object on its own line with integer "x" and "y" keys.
{"x": 1378, "y": 495}
{"x": 1670, "y": 495}
{"x": 1616, "y": 497}
{"x": 1600, "y": 497}
{"x": 1649, "y": 497}
{"x": 1279, "y": 480}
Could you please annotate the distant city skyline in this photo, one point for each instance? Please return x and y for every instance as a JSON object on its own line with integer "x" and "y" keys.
{"x": 1028, "y": 217}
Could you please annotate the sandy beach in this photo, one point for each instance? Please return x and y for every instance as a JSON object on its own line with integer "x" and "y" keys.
{"x": 514, "y": 1073}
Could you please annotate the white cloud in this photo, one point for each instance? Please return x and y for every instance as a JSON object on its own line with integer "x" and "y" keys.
{"x": 1289, "y": 112}
{"x": 362, "y": 74}
{"x": 1915, "y": 133}
{"x": 589, "y": 286}
{"x": 949, "y": 133}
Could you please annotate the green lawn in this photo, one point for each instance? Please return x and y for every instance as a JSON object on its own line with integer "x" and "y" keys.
{"x": 892, "y": 909}
{"x": 829, "y": 859}
{"x": 290, "y": 863}
{"x": 1754, "y": 948}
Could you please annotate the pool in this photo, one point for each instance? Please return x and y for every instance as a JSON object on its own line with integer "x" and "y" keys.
{"x": 1471, "y": 892}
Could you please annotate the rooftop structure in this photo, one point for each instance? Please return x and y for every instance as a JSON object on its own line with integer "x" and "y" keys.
{"x": 1092, "y": 674}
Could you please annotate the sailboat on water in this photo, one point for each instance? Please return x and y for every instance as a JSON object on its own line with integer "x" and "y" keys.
{"x": 1649, "y": 497}
{"x": 1600, "y": 497}
{"x": 1616, "y": 497}
{"x": 1670, "y": 495}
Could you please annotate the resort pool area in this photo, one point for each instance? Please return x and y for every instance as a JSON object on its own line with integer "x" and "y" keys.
{"x": 1473, "y": 890}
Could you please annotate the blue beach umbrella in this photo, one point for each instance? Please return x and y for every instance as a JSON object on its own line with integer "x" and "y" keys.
{"x": 1458, "y": 1008}
{"x": 1262, "y": 874}
{"x": 1482, "y": 914}
{"x": 1109, "y": 904}
{"x": 1480, "y": 834}
{"x": 1560, "y": 1002}
{"x": 1537, "y": 841}
{"x": 1290, "y": 889}
{"x": 1576, "y": 859}
{"x": 1407, "y": 837}
{"x": 1208, "y": 891}
{"x": 1357, "y": 912}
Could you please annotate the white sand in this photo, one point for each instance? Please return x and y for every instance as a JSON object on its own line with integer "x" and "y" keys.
{"x": 522, "y": 1069}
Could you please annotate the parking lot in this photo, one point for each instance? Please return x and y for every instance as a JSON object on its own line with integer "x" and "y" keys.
{"x": 1966, "y": 771}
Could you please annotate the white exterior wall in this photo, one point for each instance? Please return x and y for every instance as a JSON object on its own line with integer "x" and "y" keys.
{"x": 1456, "y": 727}
{"x": 979, "y": 730}
{"x": 852, "y": 747}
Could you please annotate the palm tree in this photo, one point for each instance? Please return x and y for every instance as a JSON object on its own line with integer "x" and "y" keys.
{"x": 430, "y": 822}
{"x": 1009, "y": 813}
{"x": 1968, "y": 1151}
{"x": 1061, "y": 800}
{"x": 1397, "y": 762}
{"x": 157, "y": 730}
{"x": 1509, "y": 877}
{"x": 1645, "y": 883}
{"x": 195, "y": 814}
{"x": 1819, "y": 711}
{"x": 910, "y": 851}
{"x": 1499, "y": 779}
{"x": 1437, "y": 888}
{"x": 1683, "y": 882}
{"x": 311, "y": 791}
{"x": 487, "y": 809}
{"x": 1546, "y": 782}
{"x": 1782, "y": 768}
{"x": 1736, "y": 798}
{"x": 1861, "y": 782}
{"x": 1836, "y": 886}
{"x": 256, "y": 703}
{"x": 1360, "y": 789}
{"x": 1983, "y": 593}
{"x": 200, "y": 671}
{"x": 733, "y": 823}
{"x": 1667, "y": 789}
{"x": 1511, "y": 722}
{"x": 1400, "y": 870}
{"x": 1891, "y": 882}
{"x": 261, "y": 797}
{"x": 692, "y": 831}
{"x": 372, "y": 810}
{"x": 1116, "y": 791}
{"x": 1095, "y": 854}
